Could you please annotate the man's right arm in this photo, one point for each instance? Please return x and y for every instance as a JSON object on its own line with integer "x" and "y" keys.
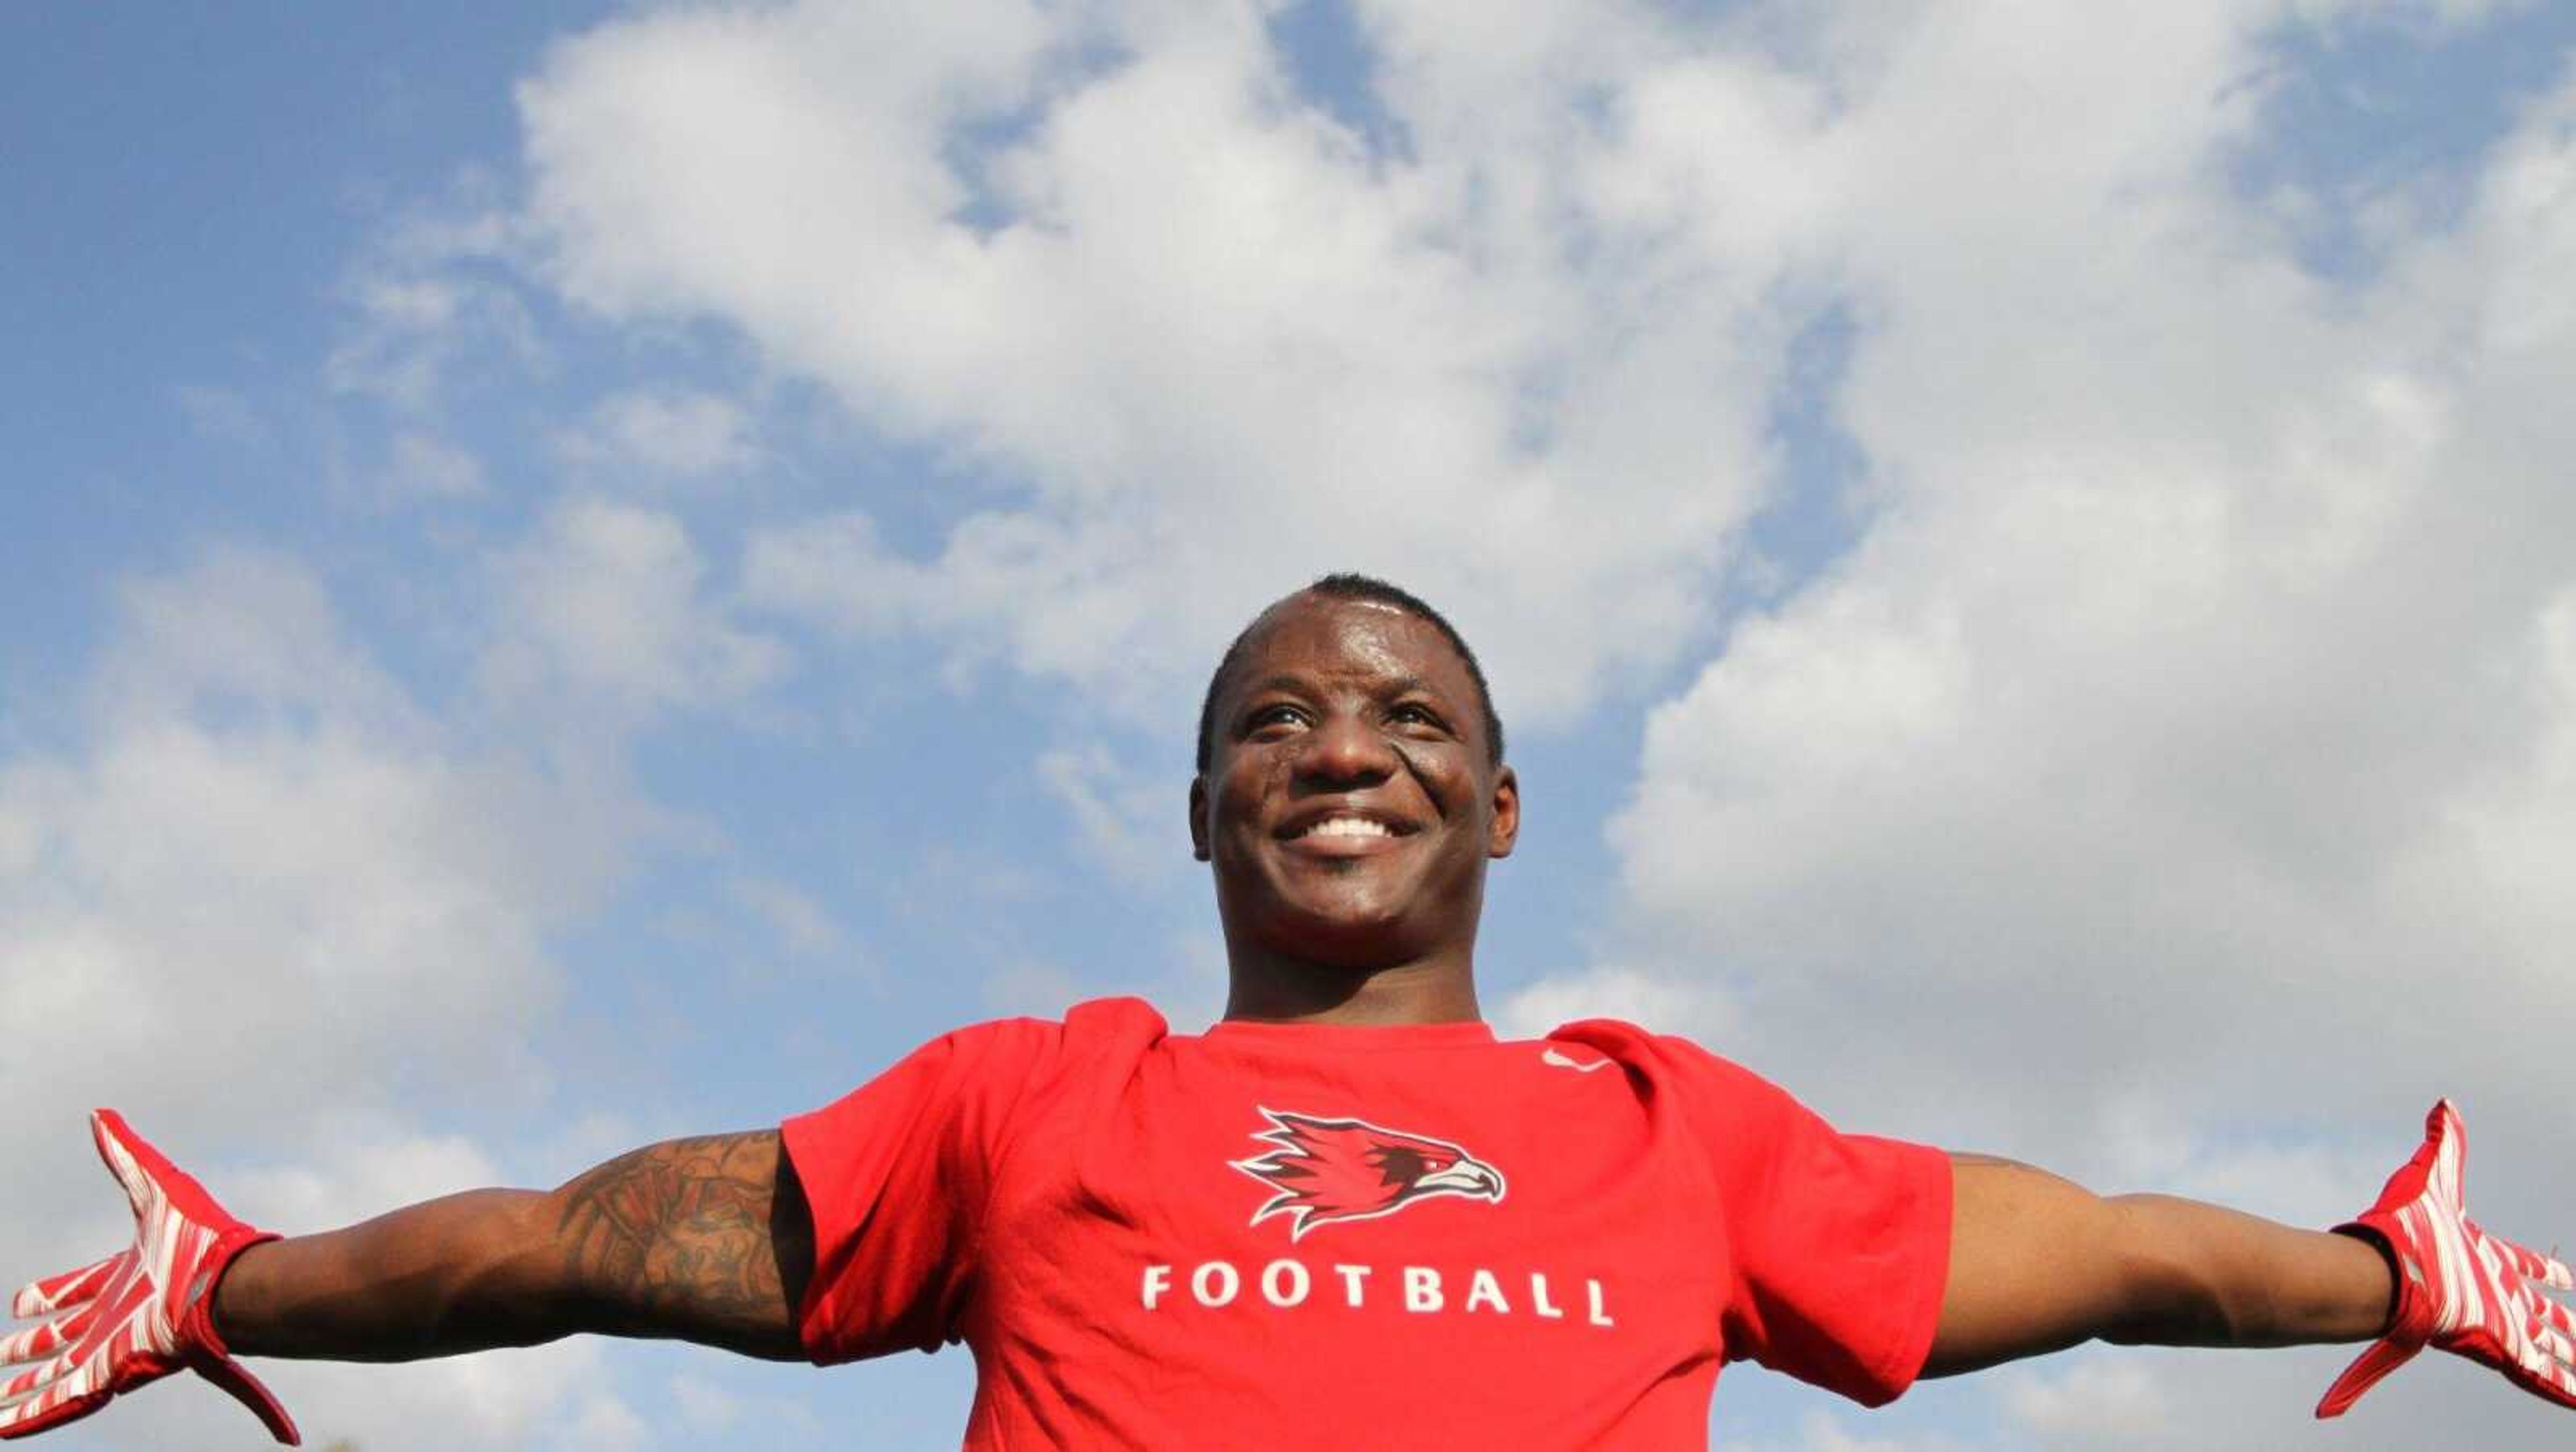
{"x": 706, "y": 1239}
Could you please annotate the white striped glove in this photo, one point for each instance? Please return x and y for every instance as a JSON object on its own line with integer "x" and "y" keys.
{"x": 2458, "y": 1288}
{"x": 138, "y": 1315}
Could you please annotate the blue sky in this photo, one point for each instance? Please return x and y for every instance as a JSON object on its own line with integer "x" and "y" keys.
{"x": 599, "y": 572}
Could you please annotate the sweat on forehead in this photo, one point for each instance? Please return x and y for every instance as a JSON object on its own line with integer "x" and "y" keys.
{"x": 1359, "y": 590}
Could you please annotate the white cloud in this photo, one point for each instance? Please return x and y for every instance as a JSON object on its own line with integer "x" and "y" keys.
{"x": 839, "y": 572}
{"x": 2092, "y": 1395}
{"x": 801, "y": 926}
{"x": 265, "y": 900}
{"x": 703, "y": 1405}
{"x": 2171, "y": 718}
{"x": 548, "y": 1399}
{"x": 651, "y": 436}
{"x": 1659, "y": 1001}
{"x": 429, "y": 298}
{"x": 266, "y": 868}
{"x": 606, "y": 600}
{"x": 1132, "y": 823}
{"x": 1821, "y": 1432}
{"x": 1217, "y": 345}
{"x": 424, "y": 466}
{"x": 360, "y": 1167}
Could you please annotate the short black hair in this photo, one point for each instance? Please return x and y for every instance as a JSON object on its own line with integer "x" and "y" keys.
{"x": 1347, "y": 586}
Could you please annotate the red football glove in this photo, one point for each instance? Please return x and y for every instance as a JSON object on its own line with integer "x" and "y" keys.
{"x": 2469, "y": 1293}
{"x": 138, "y": 1315}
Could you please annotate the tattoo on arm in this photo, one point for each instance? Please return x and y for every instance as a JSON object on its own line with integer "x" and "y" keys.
{"x": 707, "y": 1239}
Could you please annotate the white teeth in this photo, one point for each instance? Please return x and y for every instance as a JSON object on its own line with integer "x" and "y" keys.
{"x": 1346, "y": 827}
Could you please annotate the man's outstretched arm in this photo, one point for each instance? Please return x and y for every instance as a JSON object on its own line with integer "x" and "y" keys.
{"x": 2038, "y": 1264}
{"x": 706, "y": 1239}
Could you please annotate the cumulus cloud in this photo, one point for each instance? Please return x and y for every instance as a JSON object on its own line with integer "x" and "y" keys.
{"x": 431, "y": 297}
{"x": 268, "y": 897}
{"x": 1216, "y": 343}
{"x": 650, "y": 436}
{"x": 1131, "y": 822}
{"x": 263, "y": 841}
{"x": 1822, "y": 1432}
{"x": 605, "y": 600}
{"x": 1667, "y": 1003}
{"x": 2175, "y": 715}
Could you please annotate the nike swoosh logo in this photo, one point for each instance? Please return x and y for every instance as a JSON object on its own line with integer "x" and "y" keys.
{"x": 1577, "y": 1065}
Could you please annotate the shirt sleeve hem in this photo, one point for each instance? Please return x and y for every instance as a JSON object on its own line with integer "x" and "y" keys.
{"x": 813, "y": 1313}
{"x": 1895, "y": 1373}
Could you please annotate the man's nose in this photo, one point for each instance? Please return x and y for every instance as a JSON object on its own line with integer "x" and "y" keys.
{"x": 1344, "y": 748}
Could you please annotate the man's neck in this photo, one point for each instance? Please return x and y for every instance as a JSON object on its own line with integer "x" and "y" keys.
{"x": 1276, "y": 990}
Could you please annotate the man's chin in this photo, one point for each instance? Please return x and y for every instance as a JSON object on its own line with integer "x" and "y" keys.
{"x": 1346, "y": 936}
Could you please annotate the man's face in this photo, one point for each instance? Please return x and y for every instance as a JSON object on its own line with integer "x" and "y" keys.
{"x": 1349, "y": 806}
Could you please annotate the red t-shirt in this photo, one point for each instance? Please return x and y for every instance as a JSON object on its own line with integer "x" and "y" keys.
{"x": 1297, "y": 1236}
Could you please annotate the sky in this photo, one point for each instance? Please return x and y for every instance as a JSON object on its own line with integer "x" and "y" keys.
{"x": 572, "y": 574}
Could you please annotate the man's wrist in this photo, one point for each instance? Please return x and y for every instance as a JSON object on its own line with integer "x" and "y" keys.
{"x": 2392, "y": 1302}
{"x": 235, "y": 1302}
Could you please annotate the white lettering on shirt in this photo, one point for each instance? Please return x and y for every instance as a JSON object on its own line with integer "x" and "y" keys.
{"x": 1288, "y": 1274}
{"x": 1421, "y": 1288}
{"x": 1287, "y": 1284}
{"x": 1208, "y": 1277}
{"x": 1538, "y": 1298}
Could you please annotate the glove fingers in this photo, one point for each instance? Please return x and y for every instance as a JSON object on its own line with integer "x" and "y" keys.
{"x": 151, "y": 1182}
{"x": 2555, "y": 1318}
{"x": 27, "y": 1418}
{"x": 63, "y": 1371}
{"x": 2546, "y": 1269}
{"x": 235, "y": 1378}
{"x": 70, "y": 1288}
{"x": 2377, "y": 1360}
{"x": 49, "y": 1338}
{"x": 2449, "y": 1141}
{"x": 2551, "y": 1378}
{"x": 129, "y": 1157}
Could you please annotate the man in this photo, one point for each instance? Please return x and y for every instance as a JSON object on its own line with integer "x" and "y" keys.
{"x": 1344, "y": 1216}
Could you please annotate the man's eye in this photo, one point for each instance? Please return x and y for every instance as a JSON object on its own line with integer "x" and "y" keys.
{"x": 1422, "y": 715}
{"x": 1275, "y": 716}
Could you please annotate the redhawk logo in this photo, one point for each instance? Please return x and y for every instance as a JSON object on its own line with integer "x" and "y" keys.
{"x": 1328, "y": 1170}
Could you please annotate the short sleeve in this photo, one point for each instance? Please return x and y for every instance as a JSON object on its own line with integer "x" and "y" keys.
{"x": 898, "y": 1174}
{"x": 1841, "y": 1242}
{"x": 1836, "y": 1246}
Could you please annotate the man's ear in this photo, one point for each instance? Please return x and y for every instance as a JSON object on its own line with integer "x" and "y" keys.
{"x": 1198, "y": 818}
{"x": 1506, "y": 828}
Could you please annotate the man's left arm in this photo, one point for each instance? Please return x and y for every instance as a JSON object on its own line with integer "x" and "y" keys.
{"x": 2038, "y": 1263}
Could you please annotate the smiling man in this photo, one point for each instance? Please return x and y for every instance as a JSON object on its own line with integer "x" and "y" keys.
{"x": 1346, "y": 1215}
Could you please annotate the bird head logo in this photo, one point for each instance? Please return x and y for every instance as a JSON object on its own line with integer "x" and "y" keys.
{"x": 1323, "y": 1171}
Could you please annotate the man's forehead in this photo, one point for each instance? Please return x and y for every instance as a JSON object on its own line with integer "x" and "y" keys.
{"x": 1328, "y": 637}
{"x": 1336, "y": 635}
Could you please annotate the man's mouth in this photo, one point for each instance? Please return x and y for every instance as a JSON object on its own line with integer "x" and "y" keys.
{"x": 1345, "y": 827}
{"x": 1346, "y": 834}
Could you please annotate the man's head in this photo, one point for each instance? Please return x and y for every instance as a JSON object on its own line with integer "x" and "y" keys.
{"x": 1351, "y": 786}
